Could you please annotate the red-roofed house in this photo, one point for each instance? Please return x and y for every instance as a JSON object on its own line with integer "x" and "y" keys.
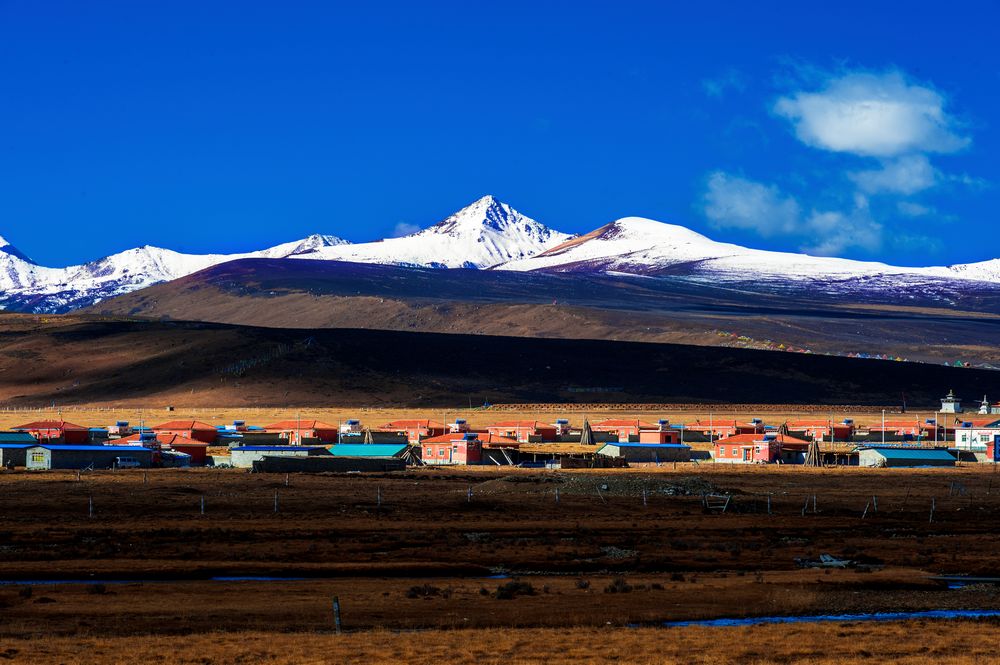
{"x": 820, "y": 429}
{"x": 754, "y": 448}
{"x": 912, "y": 428}
{"x": 524, "y": 431}
{"x": 624, "y": 428}
{"x": 56, "y": 431}
{"x": 724, "y": 428}
{"x": 456, "y": 448}
{"x": 298, "y": 430}
{"x": 198, "y": 450}
{"x": 415, "y": 430}
{"x": 488, "y": 440}
{"x": 189, "y": 429}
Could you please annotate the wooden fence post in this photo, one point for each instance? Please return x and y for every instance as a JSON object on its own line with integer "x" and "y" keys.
{"x": 336, "y": 614}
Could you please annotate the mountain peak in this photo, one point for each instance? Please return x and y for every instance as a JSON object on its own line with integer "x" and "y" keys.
{"x": 485, "y": 214}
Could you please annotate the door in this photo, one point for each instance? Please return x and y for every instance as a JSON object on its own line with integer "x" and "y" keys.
{"x": 747, "y": 454}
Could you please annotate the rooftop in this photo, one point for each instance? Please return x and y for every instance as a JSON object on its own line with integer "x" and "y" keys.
{"x": 368, "y": 449}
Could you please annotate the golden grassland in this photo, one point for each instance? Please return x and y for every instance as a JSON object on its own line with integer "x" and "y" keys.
{"x": 102, "y": 416}
{"x": 683, "y": 563}
{"x": 904, "y": 643}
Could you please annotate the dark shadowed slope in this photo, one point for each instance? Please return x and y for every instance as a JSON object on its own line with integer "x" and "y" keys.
{"x": 74, "y": 360}
{"x": 943, "y": 326}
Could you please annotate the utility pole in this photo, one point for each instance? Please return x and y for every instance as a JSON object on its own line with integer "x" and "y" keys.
{"x": 883, "y": 427}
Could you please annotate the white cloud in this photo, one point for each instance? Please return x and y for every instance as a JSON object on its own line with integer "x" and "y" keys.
{"x": 875, "y": 115}
{"x": 834, "y": 232}
{"x": 734, "y": 202}
{"x": 906, "y": 175}
{"x": 404, "y": 229}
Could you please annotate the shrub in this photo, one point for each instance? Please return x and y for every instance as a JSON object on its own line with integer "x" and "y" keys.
{"x": 676, "y": 577}
{"x": 582, "y": 584}
{"x": 618, "y": 585}
{"x": 513, "y": 589}
{"x": 423, "y": 591}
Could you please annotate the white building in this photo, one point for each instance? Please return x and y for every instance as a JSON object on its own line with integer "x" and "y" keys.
{"x": 951, "y": 404}
{"x": 977, "y": 437}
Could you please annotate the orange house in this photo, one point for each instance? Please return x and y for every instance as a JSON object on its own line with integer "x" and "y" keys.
{"x": 415, "y": 430}
{"x": 523, "y": 431}
{"x": 55, "y": 431}
{"x": 198, "y": 450}
{"x": 189, "y": 429}
{"x": 623, "y": 428}
{"x": 724, "y": 428}
{"x": 458, "y": 448}
{"x": 298, "y": 430}
{"x": 753, "y": 448}
{"x": 821, "y": 429}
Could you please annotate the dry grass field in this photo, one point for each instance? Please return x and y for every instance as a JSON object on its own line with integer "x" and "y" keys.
{"x": 575, "y": 575}
{"x": 102, "y": 416}
{"x": 919, "y": 643}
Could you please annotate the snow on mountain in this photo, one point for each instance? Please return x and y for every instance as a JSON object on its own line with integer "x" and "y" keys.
{"x": 27, "y": 286}
{"x": 646, "y": 247}
{"x": 483, "y": 234}
{"x": 491, "y": 234}
{"x": 986, "y": 271}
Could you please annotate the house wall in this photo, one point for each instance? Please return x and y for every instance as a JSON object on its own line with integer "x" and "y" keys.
{"x": 456, "y": 452}
{"x": 976, "y": 438}
{"x": 656, "y": 436}
{"x": 203, "y": 435}
{"x": 244, "y": 459}
{"x": 10, "y": 457}
{"x": 747, "y": 453}
{"x": 45, "y": 458}
{"x": 198, "y": 453}
{"x": 652, "y": 455}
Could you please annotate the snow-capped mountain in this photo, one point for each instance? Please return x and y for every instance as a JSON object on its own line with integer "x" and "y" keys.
{"x": 642, "y": 246}
{"x": 27, "y": 286}
{"x": 491, "y": 234}
{"x": 483, "y": 234}
{"x": 985, "y": 271}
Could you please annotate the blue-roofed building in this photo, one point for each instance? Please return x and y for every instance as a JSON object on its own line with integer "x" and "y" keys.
{"x": 13, "y": 446}
{"x": 904, "y": 456}
{"x": 369, "y": 449}
{"x": 647, "y": 453}
{"x": 51, "y": 456}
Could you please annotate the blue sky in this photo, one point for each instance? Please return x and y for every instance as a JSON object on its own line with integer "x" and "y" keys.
{"x": 857, "y": 129}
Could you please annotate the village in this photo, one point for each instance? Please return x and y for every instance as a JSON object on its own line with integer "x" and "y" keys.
{"x": 307, "y": 445}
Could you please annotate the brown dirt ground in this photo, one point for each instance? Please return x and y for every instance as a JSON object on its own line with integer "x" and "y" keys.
{"x": 424, "y": 559}
{"x": 959, "y": 643}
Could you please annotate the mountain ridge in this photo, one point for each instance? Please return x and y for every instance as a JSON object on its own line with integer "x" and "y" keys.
{"x": 489, "y": 234}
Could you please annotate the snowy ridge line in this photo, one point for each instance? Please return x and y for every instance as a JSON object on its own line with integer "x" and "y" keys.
{"x": 483, "y": 234}
{"x": 490, "y": 234}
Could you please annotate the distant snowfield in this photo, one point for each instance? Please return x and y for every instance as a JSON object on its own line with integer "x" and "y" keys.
{"x": 487, "y": 234}
{"x": 642, "y": 246}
